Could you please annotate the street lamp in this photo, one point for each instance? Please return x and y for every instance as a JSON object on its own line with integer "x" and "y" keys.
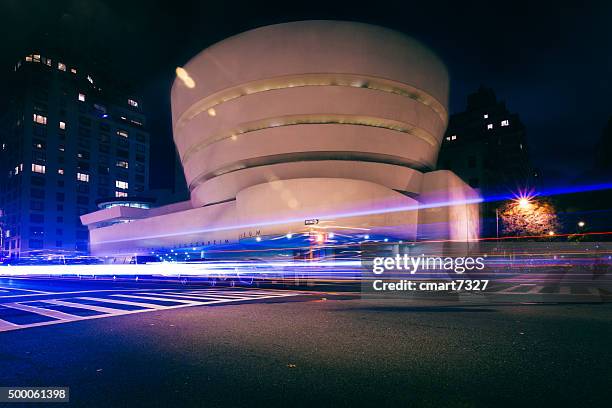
{"x": 581, "y": 224}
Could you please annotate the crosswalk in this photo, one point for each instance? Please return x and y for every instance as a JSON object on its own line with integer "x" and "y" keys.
{"x": 45, "y": 308}
{"x": 537, "y": 289}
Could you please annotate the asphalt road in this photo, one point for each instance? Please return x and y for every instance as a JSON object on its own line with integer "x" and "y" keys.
{"x": 323, "y": 350}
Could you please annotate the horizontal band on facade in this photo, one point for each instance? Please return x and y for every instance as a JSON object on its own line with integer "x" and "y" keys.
{"x": 322, "y": 119}
{"x": 312, "y": 79}
{"x": 308, "y": 156}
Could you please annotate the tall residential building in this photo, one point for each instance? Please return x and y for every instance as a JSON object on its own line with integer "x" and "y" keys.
{"x": 486, "y": 146}
{"x": 69, "y": 138}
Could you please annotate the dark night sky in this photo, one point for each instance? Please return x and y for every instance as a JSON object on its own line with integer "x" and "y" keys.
{"x": 551, "y": 62}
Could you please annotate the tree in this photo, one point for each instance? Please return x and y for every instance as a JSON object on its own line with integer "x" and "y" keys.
{"x": 528, "y": 216}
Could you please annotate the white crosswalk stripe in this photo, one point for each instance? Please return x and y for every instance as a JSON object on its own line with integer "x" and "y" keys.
{"x": 41, "y": 311}
{"x": 101, "y": 304}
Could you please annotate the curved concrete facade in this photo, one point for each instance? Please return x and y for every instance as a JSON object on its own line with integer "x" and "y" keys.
{"x": 308, "y": 91}
{"x": 335, "y": 121}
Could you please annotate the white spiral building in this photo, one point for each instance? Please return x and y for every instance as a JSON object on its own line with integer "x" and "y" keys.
{"x": 335, "y": 121}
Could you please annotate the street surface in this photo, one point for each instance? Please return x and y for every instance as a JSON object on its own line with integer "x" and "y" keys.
{"x": 225, "y": 346}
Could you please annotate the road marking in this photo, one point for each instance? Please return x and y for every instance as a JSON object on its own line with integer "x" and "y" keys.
{"x": 4, "y": 325}
{"x": 510, "y": 289}
{"x": 41, "y": 311}
{"x": 565, "y": 290}
{"x": 11, "y": 289}
{"x": 215, "y": 296}
{"x": 142, "y": 295}
{"x": 535, "y": 289}
{"x": 75, "y": 292}
{"x": 196, "y": 298}
{"x": 188, "y": 302}
{"x": 122, "y": 302}
{"x": 95, "y": 308}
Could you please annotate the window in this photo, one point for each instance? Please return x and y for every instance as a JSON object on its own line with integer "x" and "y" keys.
{"x": 61, "y": 66}
{"x": 122, "y": 133}
{"x": 37, "y": 205}
{"x": 38, "y": 218}
{"x": 37, "y": 231}
{"x": 121, "y": 184}
{"x": 60, "y": 197}
{"x": 90, "y": 79}
{"x": 120, "y": 194}
{"x": 486, "y": 116}
{"x": 40, "y": 119}
{"x": 122, "y": 163}
{"x": 37, "y": 181}
{"x": 490, "y": 126}
{"x": 61, "y": 148}
{"x": 35, "y": 243}
{"x": 81, "y": 97}
{"x": 62, "y": 125}
{"x": 133, "y": 103}
{"x": 73, "y": 70}
{"x": 505, "y": 123}
{"x": 83, "y": 177}
{"x": 37, "y": 193}
{"x": 83, "y": 200}
{"x": 453, "y": 137}
{"x": 38, "y": 168}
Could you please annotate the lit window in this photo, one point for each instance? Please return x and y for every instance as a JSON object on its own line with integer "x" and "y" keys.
{"x": 62, "y": 148}
{"x": 122, "y": 133}
{"x": 29, "y": 58}
{"x": 73, "y": 70}
{"x": 122, "y": 163}
{"x": 486, "y": 116}
{"x": 62, "y": 125}
{"x": 36, "y": 57}
{"x": 490, "y": 126}
{"x": 81, "y": 97}
{"x": 133, "y": 103}
{"x": 121, "y": 184}
{"x": 38, "y": 168}
{"x": 505, "y": 123}
{"x": 60, "y": 171}
{"x": 61, "y": 66}
{"x": 120, "y": 194}
{"x": 40, "y": 119}
{"x": 83, "y": 177}
{"x": 90, "y": 79}
{"x": 454, "y": 137}
{"x": 448, "y": 138}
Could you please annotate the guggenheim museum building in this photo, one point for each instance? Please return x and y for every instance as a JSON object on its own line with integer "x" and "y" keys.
{"x": 311, "y": 128}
